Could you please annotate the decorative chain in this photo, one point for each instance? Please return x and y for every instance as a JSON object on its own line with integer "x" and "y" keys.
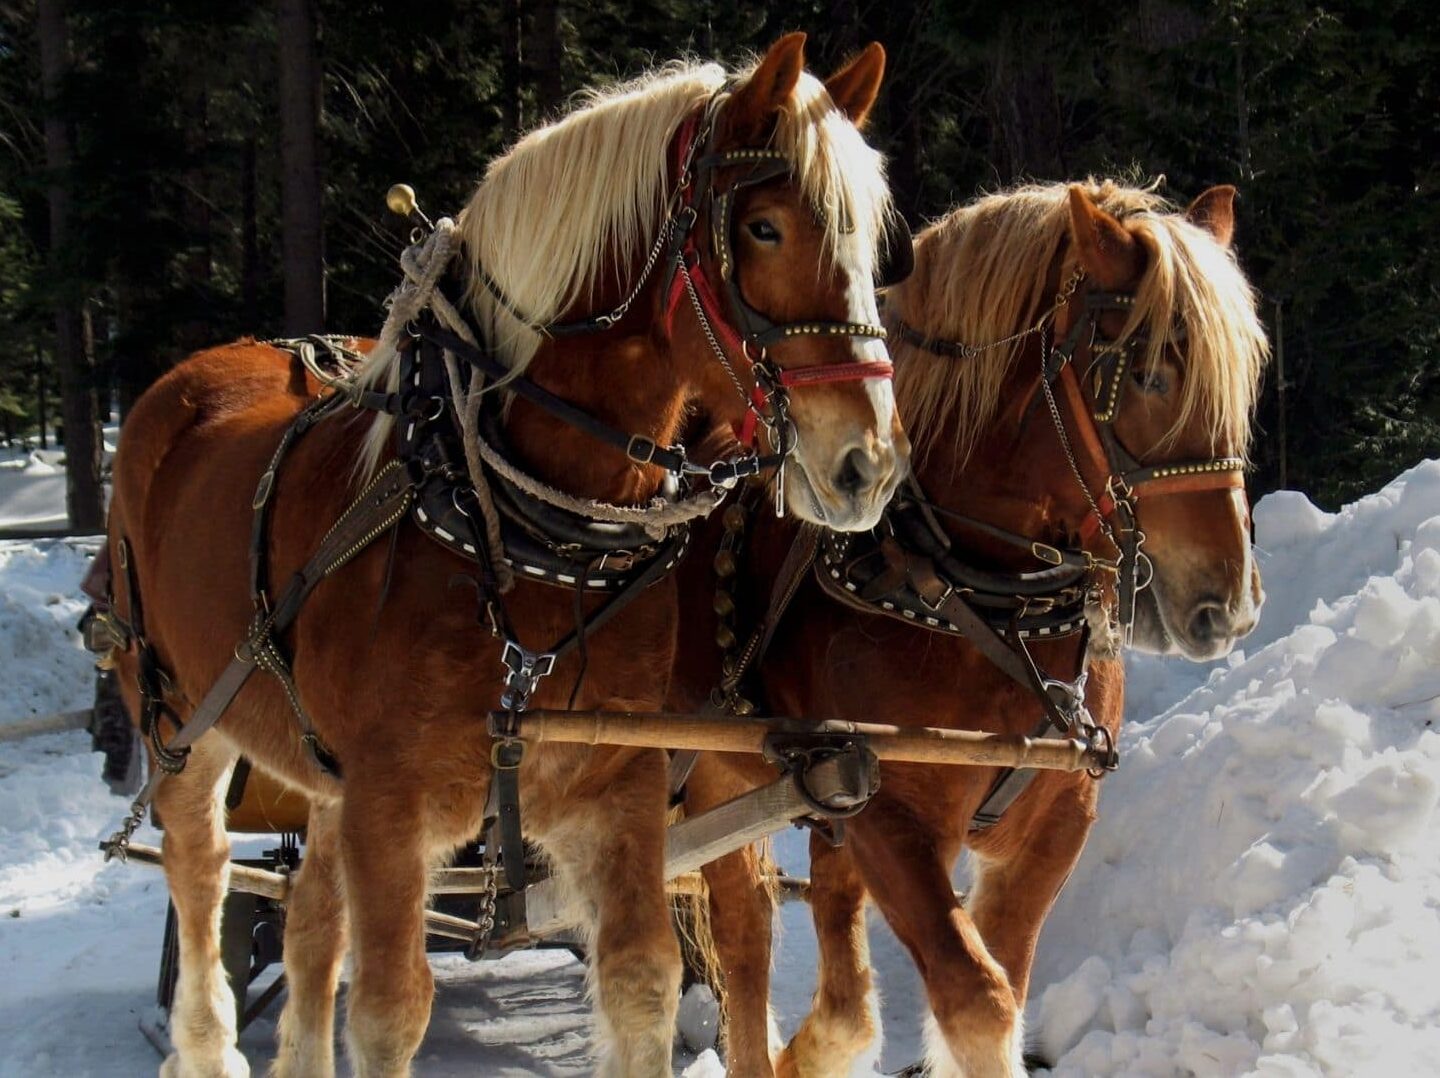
{"x": 1074, "y": 464}
{"x": 727, "y": 566}
{"x": 623, "y": 308}
{"x": 1062, "y": 297}
{"x": 705, "y": 327}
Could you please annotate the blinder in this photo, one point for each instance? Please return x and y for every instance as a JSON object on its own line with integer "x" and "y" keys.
{"x": 897, "y": 253}
{"x": 1110, "y": 362}
{"x": 755, "y": 329}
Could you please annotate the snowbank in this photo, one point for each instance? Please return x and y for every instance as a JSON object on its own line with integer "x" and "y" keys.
{"x": 45, "y": 669}
{"x": 1262, "y": 892}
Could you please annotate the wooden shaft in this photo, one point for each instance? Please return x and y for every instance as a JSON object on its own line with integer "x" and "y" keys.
{"x": 45, "y": 724}
{"x": 253, "y": 881}
{"x": 447, "y": 881}
{"x": 698, "y": 840}
{"x": 917, "y": 744}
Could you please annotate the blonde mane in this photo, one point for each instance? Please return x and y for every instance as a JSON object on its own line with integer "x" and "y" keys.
{"x": 981, "y": 274}
{"x": 573, "y": 206}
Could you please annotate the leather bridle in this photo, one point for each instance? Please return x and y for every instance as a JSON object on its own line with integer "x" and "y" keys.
{"x": 745, "y": 330}
{"x": 1112, "y": 510}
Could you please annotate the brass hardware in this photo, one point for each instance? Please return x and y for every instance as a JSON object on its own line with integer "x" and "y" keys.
{"x": 401, "y": 200}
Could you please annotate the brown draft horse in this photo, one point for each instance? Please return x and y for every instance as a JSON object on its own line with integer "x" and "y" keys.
{"x": 988, "y": 450}
{"x": 399, "y": 689}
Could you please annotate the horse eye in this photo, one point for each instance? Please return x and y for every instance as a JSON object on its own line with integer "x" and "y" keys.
{"x": 1151, "y": 381}
{"x": 763, "y": 231}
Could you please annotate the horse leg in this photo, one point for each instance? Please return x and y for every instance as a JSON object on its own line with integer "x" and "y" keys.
{"x": 197, "y": 866}
{"x": 384, "y": 871}
{"x": 1015, "y": 889}
{"x": 636, "y": 965}
{"x": 741, "y": 916}
{"x": 316, "y": 933}
{"x": 842, "y": 1022}
{"x": 976, "y": 1027}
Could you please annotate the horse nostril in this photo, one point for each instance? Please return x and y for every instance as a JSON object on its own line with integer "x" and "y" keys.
{"x": 1210, "y": 622}
{"x": 857, "y": 471}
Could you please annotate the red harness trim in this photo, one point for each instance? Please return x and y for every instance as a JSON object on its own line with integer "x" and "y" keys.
{"x": 692, "y": 269}
{"x": 827, "y": 374}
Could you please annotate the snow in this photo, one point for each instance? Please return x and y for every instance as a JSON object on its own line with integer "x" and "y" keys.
{"x": 1260, "y": 896}
{"x": 32, "y": 484}
{"x": 1262, "y": 892}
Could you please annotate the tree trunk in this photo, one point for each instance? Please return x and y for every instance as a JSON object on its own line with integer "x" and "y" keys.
{"x": 543, "y": 49}
{"x": 42, "y": 409}
{"x": 512, "y": 108}
{"x": 84, "y": 497}
{"x": 1025, "y": 109}
{"x": 300, "y": 168}
{"x": 197, "y": 331}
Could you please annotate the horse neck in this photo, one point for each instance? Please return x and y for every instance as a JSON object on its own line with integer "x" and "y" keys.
{"x": 1016, "y": 476}
{"x": 625, "y": 379}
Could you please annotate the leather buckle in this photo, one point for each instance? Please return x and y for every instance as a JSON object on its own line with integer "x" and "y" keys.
{"x": 648, "y": 446}
{"x": 934, "y": 607}
{"x": 1047, "y": 553}
{"x": 615, "y": 561}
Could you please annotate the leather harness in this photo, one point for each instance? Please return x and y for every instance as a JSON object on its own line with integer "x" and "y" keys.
{"x": 908, "y": 568}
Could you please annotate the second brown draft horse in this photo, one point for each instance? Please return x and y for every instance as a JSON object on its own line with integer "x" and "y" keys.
{"x": 1078, "y": 367}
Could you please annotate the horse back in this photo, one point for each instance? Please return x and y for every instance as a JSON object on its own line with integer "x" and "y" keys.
{"x": 191, "y": 453}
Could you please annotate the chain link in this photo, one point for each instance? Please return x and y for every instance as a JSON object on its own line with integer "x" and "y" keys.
{"x": 709, "y": 332}
{"x": 619, "y": 312}
{"x": 118, "y": 844}
{"x": 485, "y": 915}
{"x": 1074, "y": 464}
{"x": 1062, "y": 297}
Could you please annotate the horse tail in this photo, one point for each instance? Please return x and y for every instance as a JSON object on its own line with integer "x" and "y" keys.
{"x": 691, "y": 905}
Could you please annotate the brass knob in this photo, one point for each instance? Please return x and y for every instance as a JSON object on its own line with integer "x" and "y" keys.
{"x": 401, "y": 200}
{"x": 724, "y": 604}
{"x": 725, "y": 637}
{"x": 725, "y": 563}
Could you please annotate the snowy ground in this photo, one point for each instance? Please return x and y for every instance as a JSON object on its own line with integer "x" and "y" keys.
{"x": 1259, "y": 897}
{"x": 32, "y": 484}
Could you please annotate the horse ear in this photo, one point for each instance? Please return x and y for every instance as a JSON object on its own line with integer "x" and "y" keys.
{"x": 855, "y": 86}
{"x": 1110, "y": 256}
{"x": 753, "y": 106}
{"x": 1214, "y": 211}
